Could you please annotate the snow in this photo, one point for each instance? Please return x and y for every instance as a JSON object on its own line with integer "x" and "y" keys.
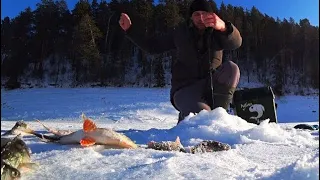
{"x": 265, "y": 151}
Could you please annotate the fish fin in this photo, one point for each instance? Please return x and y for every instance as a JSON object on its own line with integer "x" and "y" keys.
{"x": 178, "y": 143}
{"x": 129, "y": 145}
{"x": 26, "y": 167}
{"x": 89, "y": 125}
{"x": 178, "y": 140}
{"x": 54, "y": 131}
{"x": 83, "y": 116}
{"x": 86, "y": 141}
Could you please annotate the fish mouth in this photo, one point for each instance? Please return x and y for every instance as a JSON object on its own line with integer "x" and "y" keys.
{"x": 22, "y": 131}
{"x": 19, "y": 128}
{"x": 21, "y": 125}
{"x": 9, "y": 172}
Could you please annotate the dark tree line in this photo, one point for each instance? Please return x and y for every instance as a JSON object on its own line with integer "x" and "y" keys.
{"x": 86, "y": 44}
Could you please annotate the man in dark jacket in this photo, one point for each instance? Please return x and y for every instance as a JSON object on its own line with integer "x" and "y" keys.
{"x": 199, "y": 78}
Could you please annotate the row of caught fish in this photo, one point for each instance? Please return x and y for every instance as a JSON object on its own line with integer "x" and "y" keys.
{"x": 15, "y": 155}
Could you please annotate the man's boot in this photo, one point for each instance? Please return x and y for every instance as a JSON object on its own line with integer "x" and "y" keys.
{"x": 222, "y": 96}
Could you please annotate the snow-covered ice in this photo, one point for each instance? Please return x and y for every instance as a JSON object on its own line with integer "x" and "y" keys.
{"x": 265, "y": 151}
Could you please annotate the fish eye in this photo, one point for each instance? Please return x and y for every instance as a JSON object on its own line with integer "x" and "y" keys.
{"x": 15, "y": 174}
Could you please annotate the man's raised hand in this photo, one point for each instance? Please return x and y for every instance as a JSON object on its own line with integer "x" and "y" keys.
{"x": 214, "y": 21}
{"x": 125, "y": 21}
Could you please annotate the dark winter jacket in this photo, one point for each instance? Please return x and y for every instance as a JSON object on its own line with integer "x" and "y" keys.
{"x": 192, "y": 61}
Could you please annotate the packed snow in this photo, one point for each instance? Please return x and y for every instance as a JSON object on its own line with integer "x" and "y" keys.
{"x": 265, "y": 151}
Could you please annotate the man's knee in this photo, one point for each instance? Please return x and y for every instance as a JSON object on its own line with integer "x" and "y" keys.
{"x": 231, "y": 74}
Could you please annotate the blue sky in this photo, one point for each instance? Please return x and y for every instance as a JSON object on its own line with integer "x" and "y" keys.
{"x": 297, "y": 9}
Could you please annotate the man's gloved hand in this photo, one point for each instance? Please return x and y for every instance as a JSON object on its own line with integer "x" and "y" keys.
{"x": 125, "y": 21}
{"x": 204, "y": 19}
{"x": 214, "y": 21}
